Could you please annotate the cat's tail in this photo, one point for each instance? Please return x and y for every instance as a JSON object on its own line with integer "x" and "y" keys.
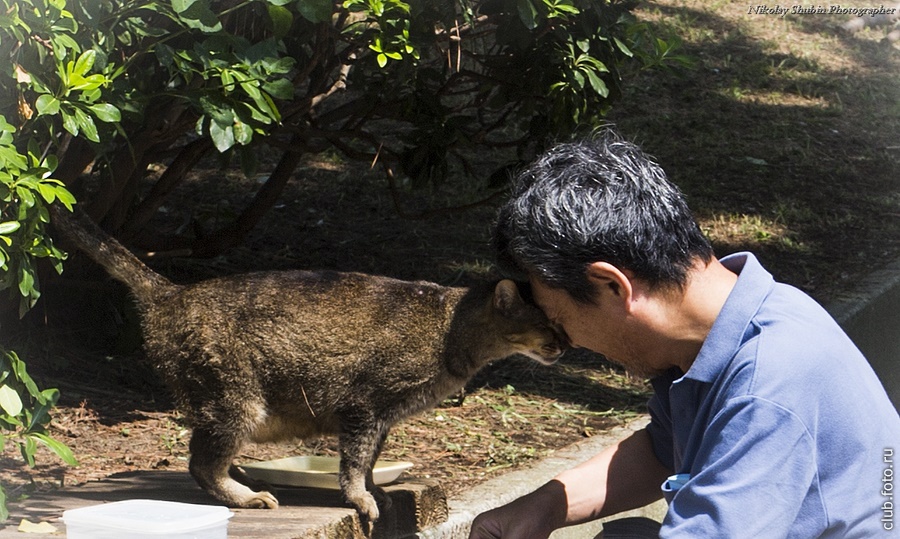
{"x": 144, "y": 283}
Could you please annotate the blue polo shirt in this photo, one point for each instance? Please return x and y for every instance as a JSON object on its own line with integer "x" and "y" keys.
{"x": 779, "y": 428}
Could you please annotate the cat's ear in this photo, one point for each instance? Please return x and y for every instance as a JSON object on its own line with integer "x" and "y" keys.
{"x": 506, "y": 296}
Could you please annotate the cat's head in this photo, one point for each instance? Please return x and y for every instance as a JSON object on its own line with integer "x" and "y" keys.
{"x": 521, "y": 326}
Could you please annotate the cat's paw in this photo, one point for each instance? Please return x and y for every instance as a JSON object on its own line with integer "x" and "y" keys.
{"x": 367, "y": 508}
{"x": 235, "y": 494}
{"x": 261, "y": 500}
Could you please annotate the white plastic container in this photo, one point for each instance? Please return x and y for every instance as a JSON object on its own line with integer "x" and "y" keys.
{"x": 147, "y": 519}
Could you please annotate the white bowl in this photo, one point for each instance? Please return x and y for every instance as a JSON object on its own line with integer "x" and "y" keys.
{"x": 316, "y": 472}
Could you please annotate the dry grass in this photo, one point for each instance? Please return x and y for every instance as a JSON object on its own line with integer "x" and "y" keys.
{"x": 785, "y": 137}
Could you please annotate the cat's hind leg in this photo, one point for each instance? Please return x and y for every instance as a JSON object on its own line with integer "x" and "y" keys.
{"x": 210, "y": 466}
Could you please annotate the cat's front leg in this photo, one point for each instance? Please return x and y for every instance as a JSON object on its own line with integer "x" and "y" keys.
{"x": 359, "y": 448}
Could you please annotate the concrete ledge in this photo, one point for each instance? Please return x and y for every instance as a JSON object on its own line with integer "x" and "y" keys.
{"x": 870, "y": 316}
{"x": 849, "y": 304}
{"x": 303, "y": 513}
{"x": 419, "y": 507}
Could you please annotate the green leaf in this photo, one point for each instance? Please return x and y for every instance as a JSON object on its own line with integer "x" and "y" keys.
{"x": 282, "y": 19}
{"x": 86, "y": 125}
{"x": 10, "y": 401}
{"x": 281, "y": 66}
{"x": 222, "y": 136}
{"x": 622, "y": 47}
{"x": 315, "y": 11}
{"x": 26, "y": 281}
{"x": 5, "y": 125}
{"x": 10, "y": 422}
{"x": 9, "y": 227}
{"x": 22, "y": 374}
{"x": 48, "y": 192}
{"x": 28, "y": 449}
{"x": 271, "y": 108}
{"x": 47, "y": 105}
{"x": 180, "y": 6}
{"x": 91, "y": 82}
{"x": 243, "y": 133}
{"x": 66, "y": 197}
{"x": 579, "y": 79}
{"x": 85, "y": 62}
{"x": 251, "y": 89}
{"x": 106, "y": 112}
{"x": 41, "y": 413}
{"x": 27, "y": 302}
{"x": 12, "y": 160}
{"x": 597, "y": 84}
{"x": 26, "y": 199}
{"x": 61, "y": 449}
{"x": 197, "y": 14}
{"x": 280, "y": 89}
{"x": 51, "y": 162}
{"x": 69, "y": 122}
{"x": 217, "y": 112}
{"x": 28, "y": 181}
{"x": 527, "y": 13}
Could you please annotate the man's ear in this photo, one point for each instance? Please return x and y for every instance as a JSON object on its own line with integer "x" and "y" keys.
{"x": 610, "y": 279}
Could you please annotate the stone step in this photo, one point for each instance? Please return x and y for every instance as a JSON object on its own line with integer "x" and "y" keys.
{"x": 303, "y": 513}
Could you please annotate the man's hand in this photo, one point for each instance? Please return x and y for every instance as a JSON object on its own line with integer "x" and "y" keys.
{"x": 533, "y": 516}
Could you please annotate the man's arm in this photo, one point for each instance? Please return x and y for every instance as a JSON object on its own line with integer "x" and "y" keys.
{"x": 624, "y": 476}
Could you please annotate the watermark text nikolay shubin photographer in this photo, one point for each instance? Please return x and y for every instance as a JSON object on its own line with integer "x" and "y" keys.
{"x": 779, "y": 10}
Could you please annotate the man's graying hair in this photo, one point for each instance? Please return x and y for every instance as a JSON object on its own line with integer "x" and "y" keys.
{"x": 597, "y": 200}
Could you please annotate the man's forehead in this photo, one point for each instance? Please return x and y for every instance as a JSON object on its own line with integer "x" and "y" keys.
{"x": 545, "y": 296}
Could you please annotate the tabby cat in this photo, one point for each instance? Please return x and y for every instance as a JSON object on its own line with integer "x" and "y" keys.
{"x": 272, "y": 356}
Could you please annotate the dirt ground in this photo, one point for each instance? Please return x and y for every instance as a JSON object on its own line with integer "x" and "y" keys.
{"x": 783, "y": 136}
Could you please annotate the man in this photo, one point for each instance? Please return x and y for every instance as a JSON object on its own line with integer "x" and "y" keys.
{"x": 766, "y": 421}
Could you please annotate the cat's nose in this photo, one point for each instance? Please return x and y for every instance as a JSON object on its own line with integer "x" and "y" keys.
{"x": 552, "y": 352}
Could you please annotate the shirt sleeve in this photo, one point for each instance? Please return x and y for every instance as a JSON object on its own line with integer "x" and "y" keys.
{"x": 751, "y": 476}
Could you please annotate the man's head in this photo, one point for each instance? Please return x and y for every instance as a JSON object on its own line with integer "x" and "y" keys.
{"x": 597, "y": 200}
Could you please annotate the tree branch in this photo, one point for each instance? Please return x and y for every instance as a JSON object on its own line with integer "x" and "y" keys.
{"x": 265, "y": 198}
{"x": 183, "y": 163}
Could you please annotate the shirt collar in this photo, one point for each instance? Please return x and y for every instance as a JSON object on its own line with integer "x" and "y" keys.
{"x": 753, "y": 285}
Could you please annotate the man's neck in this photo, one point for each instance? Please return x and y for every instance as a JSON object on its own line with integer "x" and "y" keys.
{"x": 686, "y": 316}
